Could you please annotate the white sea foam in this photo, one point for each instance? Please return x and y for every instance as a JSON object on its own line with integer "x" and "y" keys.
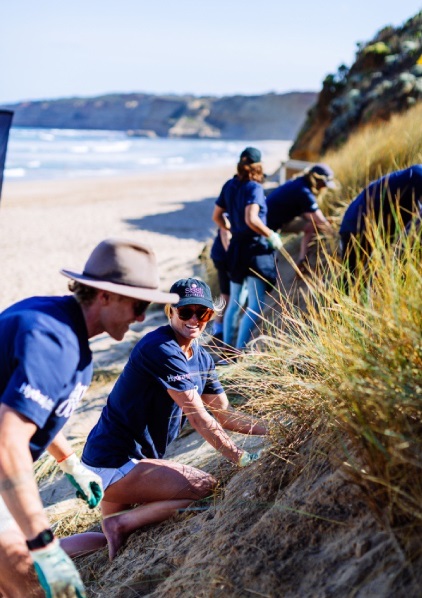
{"x": 108, "y": 148}
{"x": 14, "y": 173}
{"x": 149, "y": 161}
{"x": 40, "y": 154}
{"x": 79, "y": 149}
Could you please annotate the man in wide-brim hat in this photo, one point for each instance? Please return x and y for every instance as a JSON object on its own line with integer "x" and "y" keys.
{"x": 45, "y": 368}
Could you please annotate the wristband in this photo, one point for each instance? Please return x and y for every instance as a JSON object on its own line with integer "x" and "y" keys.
{"x": 43, "y": 539}
{"x": 64, "y": 458}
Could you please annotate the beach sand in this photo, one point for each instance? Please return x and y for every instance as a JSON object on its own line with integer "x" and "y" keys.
{"x": 45, "y": 226}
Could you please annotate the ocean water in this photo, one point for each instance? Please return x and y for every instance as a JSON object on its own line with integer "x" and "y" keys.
{"x": 42, "y": 154}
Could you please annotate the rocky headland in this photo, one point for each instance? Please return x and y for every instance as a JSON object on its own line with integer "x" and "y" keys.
{"x": 268, "y": 116}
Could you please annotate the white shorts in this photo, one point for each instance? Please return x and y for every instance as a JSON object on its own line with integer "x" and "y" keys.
{"x": 110, "y": 475}
{"x": 6, "y": 520}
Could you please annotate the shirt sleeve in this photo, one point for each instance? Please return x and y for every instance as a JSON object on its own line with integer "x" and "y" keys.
{"x": 254, "y": 194}
{"x": 168, "y": 365}
{"x": 309, "y": 202}
{"x": 43, "y": 370}
{"x": 212, "y": 383}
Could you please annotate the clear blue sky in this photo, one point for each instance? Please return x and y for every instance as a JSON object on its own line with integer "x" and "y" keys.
{"x": 54, "y": 48}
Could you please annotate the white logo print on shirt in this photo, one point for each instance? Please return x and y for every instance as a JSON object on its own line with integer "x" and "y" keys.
{"x": 66, "y": 408}
{"x": 36, "y": 395}
{"x": 178, "y": 377}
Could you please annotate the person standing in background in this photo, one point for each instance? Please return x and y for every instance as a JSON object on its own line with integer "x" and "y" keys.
{"x": 251, "y": 252}
{"x": 218, "y": 255}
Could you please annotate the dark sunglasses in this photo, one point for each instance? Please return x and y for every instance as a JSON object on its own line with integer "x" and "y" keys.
{"x": 203, "y": 314}
{"x": 140, "y": 307}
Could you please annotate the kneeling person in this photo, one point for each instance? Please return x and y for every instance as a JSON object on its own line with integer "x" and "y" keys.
{"x": 169, "y": 377}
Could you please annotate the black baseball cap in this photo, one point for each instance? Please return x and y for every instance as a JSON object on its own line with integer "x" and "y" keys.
{"x": 192, "y": 292}
{"x": 251, "y": 155}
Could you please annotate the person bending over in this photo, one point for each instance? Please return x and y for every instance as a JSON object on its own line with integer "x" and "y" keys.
{"x": 169, "y": 377}
{"x": 390, "y": 203}
{"x": 45, "y": 369}
{"x": 293, "y": 207}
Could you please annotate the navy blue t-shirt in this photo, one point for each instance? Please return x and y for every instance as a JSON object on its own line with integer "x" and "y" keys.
{"x": 218, "y": 254}
{"x": 45, "y": 363}
{"x": 235, "y": 196}
{"x": 288, "y": 201}
{"x": 140, "y": 418}
{"x": 380, "y": 196}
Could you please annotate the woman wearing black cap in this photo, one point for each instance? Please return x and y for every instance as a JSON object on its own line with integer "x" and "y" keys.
{"x": 169, "y": 377}
{"x": 252, "y": 246}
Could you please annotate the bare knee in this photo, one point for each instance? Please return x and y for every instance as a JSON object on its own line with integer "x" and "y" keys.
{"x": 207, "y": 486}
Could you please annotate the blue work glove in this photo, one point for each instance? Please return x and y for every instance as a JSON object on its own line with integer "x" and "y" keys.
{"x": 88, "y": 485}
{"x": 56, "y": 572}
{"x": 275, "y": 240}
{"x": 248, "y": 458}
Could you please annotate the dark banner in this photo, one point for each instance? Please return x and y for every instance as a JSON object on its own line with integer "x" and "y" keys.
{"x": 5, "y": 122}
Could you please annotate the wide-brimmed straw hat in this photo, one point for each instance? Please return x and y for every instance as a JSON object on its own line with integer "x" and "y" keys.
{"x": 123, "y": 267}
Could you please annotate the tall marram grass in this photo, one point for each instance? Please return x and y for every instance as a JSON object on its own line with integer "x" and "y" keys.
{"x": 353, "y": 361}
{"x": 372, "y": 152}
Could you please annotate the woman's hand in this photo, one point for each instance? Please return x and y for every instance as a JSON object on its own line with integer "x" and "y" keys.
{"x": 225, "y": 236}
{"x": 203, "y": 422}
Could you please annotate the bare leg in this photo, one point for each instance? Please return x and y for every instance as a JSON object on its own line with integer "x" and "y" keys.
{"x": 17, "y": 574}
{"x": 160, "y": 487}
{"x": 308, "y": 233}
{"x": 118, "y": 527}
{"x": 85, "y": 543}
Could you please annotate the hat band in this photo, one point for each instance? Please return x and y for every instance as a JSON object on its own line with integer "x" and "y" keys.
{"x": 117, "y": 278}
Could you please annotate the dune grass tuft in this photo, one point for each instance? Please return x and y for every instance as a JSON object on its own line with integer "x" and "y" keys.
{"x": 352, "y": 362}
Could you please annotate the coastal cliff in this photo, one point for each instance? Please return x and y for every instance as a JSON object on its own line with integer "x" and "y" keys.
{"x": 385, "y": 79}
{"x": 269, "y": 116}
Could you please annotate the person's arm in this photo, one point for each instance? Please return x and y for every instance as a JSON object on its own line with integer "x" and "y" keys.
{"x": 254, "y": 222}
{"x": 220, "y": 219}
{"x": 210, "y": 429}
{"x": 88, "y": 485}
{"x": 55, "y": 570}
{"x": 230, "y": 419}
{"x": 60, "y": 448}
{"x": 319, "y": 221}
{"x": 17, "y": 483}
